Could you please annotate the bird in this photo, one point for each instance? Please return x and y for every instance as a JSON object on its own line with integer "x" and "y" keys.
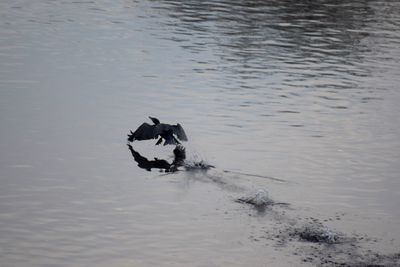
{"x": 159, "y": 130}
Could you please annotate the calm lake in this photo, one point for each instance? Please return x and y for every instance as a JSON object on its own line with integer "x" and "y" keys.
{"x": 296, "y": 98}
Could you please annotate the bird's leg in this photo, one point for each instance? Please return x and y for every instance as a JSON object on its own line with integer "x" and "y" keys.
{"x": 176, "y": 141}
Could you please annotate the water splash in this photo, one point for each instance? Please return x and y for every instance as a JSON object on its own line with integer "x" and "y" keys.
{"x": 259, "y": 199}
{"x": 197, "y": 165}
{"x": 317, "y": 233}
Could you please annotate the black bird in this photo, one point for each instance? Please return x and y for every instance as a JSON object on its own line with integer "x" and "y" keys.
{"x": 158, "y": 129}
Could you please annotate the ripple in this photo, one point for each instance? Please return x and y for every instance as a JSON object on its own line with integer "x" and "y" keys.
{"x": 303, "y": 90}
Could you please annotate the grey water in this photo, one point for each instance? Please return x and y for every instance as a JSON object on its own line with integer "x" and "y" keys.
{"x": 306, "y": 92}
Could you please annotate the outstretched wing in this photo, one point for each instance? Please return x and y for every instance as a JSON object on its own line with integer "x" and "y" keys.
{"x": 179, "y": 132}
{"x": 144, "y": 132}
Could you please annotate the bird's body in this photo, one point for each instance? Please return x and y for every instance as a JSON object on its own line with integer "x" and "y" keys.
{"x": 158, "y": 129}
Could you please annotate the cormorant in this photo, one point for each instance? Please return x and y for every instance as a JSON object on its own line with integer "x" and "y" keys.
{"x": 158, "y": 129}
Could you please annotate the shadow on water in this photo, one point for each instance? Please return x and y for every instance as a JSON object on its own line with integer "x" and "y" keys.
{"x": 162, "y": 164}
{"x": 190, "y": 166}
{"x": 198, "y": 170}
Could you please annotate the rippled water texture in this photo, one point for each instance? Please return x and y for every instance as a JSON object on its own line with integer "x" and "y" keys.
{"x": 305, "y": 92}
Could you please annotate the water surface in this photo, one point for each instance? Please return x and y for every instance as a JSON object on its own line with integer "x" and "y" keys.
{"x": 303, "y": 91}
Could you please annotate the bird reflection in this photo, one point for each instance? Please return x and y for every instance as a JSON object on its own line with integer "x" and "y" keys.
{"x": 144, "y": 163}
